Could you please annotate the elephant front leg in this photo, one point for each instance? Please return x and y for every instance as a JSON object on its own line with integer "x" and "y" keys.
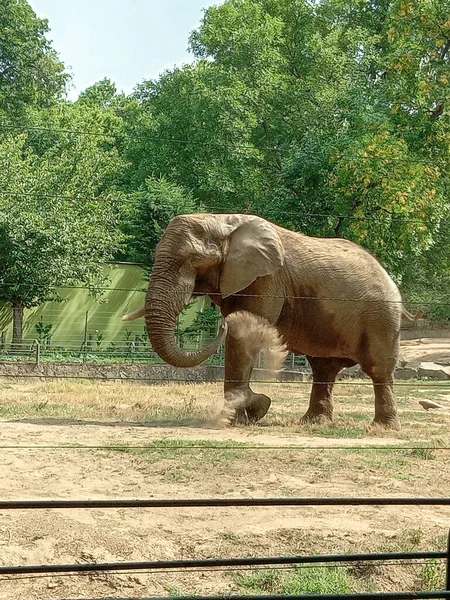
{"x": 324, "y": 372}
{"x": 242, "y": 405}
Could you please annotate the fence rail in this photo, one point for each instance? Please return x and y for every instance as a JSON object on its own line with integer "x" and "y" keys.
{"x": 208, "y": 564}
{"x": 218, "y": 502}
{"x": 362, "y": 596}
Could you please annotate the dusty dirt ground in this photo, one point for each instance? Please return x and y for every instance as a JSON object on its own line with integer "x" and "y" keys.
{"x": 426, "y": 349}
{"x": 172, "y": 421}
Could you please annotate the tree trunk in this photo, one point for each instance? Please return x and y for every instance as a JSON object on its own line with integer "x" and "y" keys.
{"x": 17, "y": 338}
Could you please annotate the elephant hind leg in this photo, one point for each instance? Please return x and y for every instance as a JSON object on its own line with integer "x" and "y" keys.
{"x": 380, "y": 367}
{"x": 324, "y": 371}
{"x": 385, "y": 404}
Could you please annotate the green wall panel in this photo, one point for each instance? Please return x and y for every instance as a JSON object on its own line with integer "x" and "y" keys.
{"x": 103, "y": 314}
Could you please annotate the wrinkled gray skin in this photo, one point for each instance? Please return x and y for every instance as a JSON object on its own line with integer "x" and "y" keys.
{"x": 329, "y": 299}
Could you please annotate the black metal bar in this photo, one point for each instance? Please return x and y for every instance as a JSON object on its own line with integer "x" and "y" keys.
{"x": 220, "y": 562}
{"x": 216, "y": 446}
{"x": 361, "y": 596}
{"x": 447, "y": 567}
{"x": 214, "y": 502}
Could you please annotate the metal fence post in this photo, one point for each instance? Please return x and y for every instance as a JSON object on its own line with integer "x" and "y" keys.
{"x": 90, "y": 340}
{"x": 84, "y": 345}
{"x": 38, "y": 352}
{"x": 447, "y": 566}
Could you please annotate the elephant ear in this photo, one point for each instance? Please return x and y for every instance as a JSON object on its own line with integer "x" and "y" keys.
{"x": 255, "y": 250}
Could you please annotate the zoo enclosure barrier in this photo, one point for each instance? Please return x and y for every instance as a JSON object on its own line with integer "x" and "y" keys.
{"x": 131, "y": 352}
{"x": 207, "y": 564}
{"x": 133, "y": 346}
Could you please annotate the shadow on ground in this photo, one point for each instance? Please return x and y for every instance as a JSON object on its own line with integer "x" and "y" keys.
{"x": 162, "y": 423}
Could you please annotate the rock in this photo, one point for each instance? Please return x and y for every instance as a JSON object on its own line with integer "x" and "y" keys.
{"x": 405, "y": 373}
{"x": 434, "y": 371}
{"x": 352, "y": 372}
{"x": 292, "y": 376}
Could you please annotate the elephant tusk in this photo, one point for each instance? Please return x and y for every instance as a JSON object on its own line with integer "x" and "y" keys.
{"x": 134, "y": 315}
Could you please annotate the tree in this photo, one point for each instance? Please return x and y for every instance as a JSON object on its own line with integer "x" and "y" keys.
{"x": 329, "y": 117}
{"x": 58, "y": 214}
{"x": 31, "y": 75}
{"x": 146, "y": 214}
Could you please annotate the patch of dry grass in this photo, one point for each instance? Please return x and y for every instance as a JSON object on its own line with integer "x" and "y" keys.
{"x": 84, "y": 399}
{"x": 197, "y": 405}
{"x": 185, "y": 459}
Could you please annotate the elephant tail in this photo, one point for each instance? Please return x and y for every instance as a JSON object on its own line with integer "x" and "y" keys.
{"x": 134, "y": 315}
{"x": 257, "y": 336}
{"x": 409, "y": 317}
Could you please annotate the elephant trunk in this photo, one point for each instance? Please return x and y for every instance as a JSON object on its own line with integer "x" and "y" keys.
{"x": 168, "y": 294}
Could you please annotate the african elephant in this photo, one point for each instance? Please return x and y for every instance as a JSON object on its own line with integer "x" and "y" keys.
{"x": 328, "y": 298}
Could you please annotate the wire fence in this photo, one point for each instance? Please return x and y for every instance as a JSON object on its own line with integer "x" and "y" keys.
{"x": 94, "y": 348}
{"x": 204, "y": 565}
{"x": 85, "y": 337}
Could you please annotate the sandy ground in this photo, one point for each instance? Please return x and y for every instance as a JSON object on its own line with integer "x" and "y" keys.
{"x": 344, "y": 460}
{"x": 426, "y": 349}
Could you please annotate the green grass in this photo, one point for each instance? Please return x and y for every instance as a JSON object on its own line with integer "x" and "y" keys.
{"x": 432, "y": 575}
{"x": 179, "y": 461}
{"x": 176, "y": 592}
{"x": 37, "y": 409}
{"x": 307, "y": 580}
{"x": 338, "y": 430}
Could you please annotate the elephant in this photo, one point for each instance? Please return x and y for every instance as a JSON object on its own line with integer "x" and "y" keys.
{"x": 329, "y": 299}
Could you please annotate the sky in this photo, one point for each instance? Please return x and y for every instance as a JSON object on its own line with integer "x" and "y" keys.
{"x": 126, "y": 41}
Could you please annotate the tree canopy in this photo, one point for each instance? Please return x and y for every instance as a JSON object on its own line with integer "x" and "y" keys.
{"x": 31, "y": 74}
{"x": 327, "y": 117}
{"x": 58, "y": 215}
{"x": 330, "y": 118}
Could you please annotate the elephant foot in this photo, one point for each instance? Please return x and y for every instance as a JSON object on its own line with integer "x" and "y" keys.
{"x": 315, "y": 418}
{"x": 385, "y": 423}
{"x": 254, "y": 412}
{"x": 244, "y": 412}
{"x": 258, "y": 408}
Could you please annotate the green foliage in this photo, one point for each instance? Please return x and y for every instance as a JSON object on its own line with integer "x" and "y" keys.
{"x": 58, "y": 209}
{"x": 432, "y": 575}
{"x": 43, "y": 332}
{"x": 31, "y": 75}
{"x": 205, "y": 322}
{"x": 101, "y": 94}
{"x": 330, "y": 118}
{"x": 147, "y": 213}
